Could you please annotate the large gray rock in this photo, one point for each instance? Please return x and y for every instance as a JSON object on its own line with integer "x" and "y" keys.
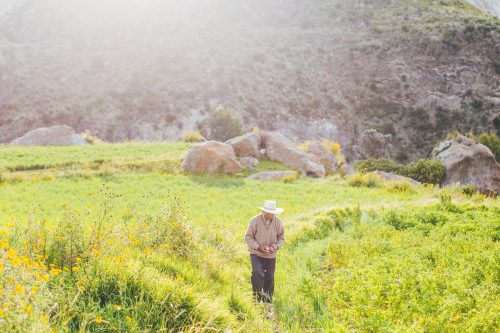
{"x": 246, "y": 145}
{"x": 469, "y": 162}
{"x": 272, "y": 175}
{"x": 327, "y": 158}
{"x": 279, "y": 148}
{"x": 59, "y": 135}
{"x": 211, "y": 157}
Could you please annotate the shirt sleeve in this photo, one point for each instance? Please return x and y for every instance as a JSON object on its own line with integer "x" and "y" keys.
{"x": 280, "y": 235}
{"x": 250, "y": 236}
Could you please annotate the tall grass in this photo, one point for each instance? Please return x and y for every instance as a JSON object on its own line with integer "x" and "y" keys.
{"x": 140, "y": 250}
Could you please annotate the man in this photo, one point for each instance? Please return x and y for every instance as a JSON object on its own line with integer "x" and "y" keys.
{"x": 264, "y": 236}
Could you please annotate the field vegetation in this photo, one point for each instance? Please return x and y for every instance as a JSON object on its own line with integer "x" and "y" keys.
{"x": 134, "y": 244}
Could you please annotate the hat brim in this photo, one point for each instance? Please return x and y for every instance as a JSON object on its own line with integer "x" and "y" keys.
{"x": 270, "y": 211}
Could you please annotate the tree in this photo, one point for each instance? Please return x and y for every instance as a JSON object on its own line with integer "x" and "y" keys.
{"x": 221, "y": 125}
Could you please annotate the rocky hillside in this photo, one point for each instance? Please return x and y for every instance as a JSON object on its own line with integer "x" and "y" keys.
{"x": 150, "y": 69}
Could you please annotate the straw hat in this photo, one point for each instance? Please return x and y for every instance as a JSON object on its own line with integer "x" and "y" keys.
{"x": 270, "y": 207}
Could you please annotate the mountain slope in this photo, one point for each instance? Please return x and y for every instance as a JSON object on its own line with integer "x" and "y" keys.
{"x": 149, "y": 69}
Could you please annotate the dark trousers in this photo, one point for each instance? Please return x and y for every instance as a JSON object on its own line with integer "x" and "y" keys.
{"x": 263, "y": 277}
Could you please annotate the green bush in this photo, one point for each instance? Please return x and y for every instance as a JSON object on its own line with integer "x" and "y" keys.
{"x": 221, "y": 125}
{"x": 492, "y": 141}
{"x": 424, "y": 171}
{"x": 369, "y": 180}
{"x": 193, "y": 136}
{"x": 496, "y": 66}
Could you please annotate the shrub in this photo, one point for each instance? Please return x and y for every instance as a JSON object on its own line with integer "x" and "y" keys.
{"x": 381, "y": 164}
{"x": 90, "y": 138}
{"x": 368, "y": 180}
{"x": 291, "y": 178}
{"x": 492, "y": 141}
{"x": 304, "y": 147}
{"x": 496, "y": 65}
{"x": 68, "y": 244}
{"x": 398, "y": 220}
{"x": 399, "y": 186}
{"x": 193, "y": 136}
{"x": 451, "y": 39}
{"x": 469, "y": 190}
{"x": 424, "y": 171}
{"x": 336, "y": 149}
{"x": 221, "y": 125}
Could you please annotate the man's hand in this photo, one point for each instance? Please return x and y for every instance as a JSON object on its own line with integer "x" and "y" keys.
{"x": 265, "y": 249}
{"x": 273, "y": 247}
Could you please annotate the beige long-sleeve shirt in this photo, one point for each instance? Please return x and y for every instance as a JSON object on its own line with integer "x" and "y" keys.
{"x": 262, "y": 232}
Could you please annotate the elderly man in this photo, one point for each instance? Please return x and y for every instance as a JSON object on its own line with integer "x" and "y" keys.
{"x": 264, "y": 236}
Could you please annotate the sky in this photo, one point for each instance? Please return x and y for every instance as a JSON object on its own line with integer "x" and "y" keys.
{"x": 4, "y": 4}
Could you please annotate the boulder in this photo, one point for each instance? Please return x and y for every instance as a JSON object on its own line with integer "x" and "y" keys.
{"x": 211, "y": 157}
{"x": 246, "y": 145}
{"x": 279, "y": 148}
{"x": 248, "y": 162}
{"x": 469, "y": 162}
{"x": 327, "y": 158}
{"x": 393, "y": 176}
{"x": 59, "y": 135}
{"x": 272, "y": 175}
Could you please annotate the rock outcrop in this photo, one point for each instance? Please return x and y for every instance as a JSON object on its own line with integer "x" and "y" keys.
{"x": 272, "y": 175}
{"x": 326, "y": 158}
{"x": 279, "y": 148}
{"x": 469, "y": 162}
{"x": 246, "y": 145}
{"x": 59, "y": 135}
{"x": 211, "y": 157}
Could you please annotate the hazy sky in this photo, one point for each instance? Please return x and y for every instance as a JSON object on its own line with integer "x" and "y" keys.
{"x": 4, "y": 4}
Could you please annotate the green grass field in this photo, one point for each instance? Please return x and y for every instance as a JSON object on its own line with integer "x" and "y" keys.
{"x": 132, "y": 244}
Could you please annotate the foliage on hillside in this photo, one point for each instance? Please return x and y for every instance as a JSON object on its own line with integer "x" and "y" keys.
{"x": 413, "y": 69}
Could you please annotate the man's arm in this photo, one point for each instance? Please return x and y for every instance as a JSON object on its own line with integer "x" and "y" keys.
{"x": 250, "y": 236}
{"x": 280, "y": 235}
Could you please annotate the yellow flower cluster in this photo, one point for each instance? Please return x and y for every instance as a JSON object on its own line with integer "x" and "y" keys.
{"x": 22, "y": 284}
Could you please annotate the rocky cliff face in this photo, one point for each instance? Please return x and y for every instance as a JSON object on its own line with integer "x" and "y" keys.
{"x": 151, "y": 69}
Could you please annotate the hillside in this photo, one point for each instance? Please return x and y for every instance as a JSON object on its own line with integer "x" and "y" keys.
{"x": 150, "y": 69}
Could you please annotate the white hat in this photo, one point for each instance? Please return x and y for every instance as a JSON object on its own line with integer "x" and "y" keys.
{"x": 270, "y": 207}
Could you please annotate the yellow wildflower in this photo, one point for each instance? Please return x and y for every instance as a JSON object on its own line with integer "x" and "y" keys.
{"x": 55, "y": 271}
{"x": 18, "y": 290}
{"x": 99, "y": 319}
{"x": 29, "y": 309}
